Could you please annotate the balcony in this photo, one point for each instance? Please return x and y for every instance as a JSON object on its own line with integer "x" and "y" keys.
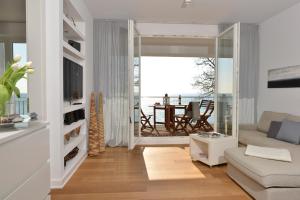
{"x": 159, "y": 121}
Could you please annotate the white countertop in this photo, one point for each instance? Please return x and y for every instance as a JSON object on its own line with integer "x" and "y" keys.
{"x": 8, "y": 134}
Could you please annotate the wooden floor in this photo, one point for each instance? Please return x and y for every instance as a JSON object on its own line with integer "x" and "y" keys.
{"x": 148, "y": 173}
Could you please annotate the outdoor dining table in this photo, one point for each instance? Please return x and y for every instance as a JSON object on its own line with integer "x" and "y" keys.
{"x": 169, "y": 110}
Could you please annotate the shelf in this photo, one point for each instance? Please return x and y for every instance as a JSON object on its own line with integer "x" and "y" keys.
{"x": 69, "y": 128}
{"x": 72, "y": 51}
{"x": 73, "y": 108}
{"x": 74, "y": 163}
{"x": 70, "y": 10}
{"x": 70, "y": 31}
{"x": 74, "y": 142}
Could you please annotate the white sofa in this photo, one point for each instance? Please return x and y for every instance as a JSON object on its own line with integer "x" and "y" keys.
{"x": 261, "y": 178}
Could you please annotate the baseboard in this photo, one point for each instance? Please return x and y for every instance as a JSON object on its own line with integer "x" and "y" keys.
{"x": 60, "y": 183}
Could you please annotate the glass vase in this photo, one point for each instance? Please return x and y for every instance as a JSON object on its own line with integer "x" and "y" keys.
{"x": 7, "y": 111}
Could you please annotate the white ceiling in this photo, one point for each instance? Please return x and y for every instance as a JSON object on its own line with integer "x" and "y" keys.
{"x": 201, "y": 11}
{"x": 12, "y": 10}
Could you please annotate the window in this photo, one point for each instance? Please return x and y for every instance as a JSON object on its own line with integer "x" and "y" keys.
{"x": 2, "y": 57}
{"x": 22, "y": 102}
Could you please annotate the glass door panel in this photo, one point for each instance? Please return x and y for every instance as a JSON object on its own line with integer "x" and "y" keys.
{"x": 136, "y": 84}
{"x": 227, "y": 73}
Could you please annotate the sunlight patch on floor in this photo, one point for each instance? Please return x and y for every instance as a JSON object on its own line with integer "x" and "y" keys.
{"x": 169, "y": 163}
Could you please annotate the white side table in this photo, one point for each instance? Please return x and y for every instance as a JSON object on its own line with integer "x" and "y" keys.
{"x": 210, "y": 150}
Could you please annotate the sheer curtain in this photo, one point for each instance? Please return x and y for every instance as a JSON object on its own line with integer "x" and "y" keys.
{"x": 111, "y": 78}
{"x": 249, "y": 61}
{"x": 248, "y": 72}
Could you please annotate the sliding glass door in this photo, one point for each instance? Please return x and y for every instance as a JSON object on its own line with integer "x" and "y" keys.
{"x": 227, "y": 47}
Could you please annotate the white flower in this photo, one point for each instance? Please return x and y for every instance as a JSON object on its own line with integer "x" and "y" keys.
{"x": 30, "y": 71}
{"x": 28, "y": 64}
{"x": 17, "y": 58}
{"x": 15, "y": 66}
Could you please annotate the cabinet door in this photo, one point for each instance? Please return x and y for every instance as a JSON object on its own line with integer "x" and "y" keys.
{"x": 21, "y": 158}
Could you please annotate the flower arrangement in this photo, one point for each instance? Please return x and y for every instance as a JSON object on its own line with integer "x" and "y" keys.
{"x": 14, "y": 72}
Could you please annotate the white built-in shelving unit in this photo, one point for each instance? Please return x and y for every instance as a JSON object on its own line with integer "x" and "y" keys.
{"x": 68, "y": 49}
{"x": 73, "y": 29}
{"x": 70, "y": 108}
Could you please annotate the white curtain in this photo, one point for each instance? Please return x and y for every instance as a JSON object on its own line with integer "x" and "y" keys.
{"x": 248, "y": 73}
{"x": 111, "y": 78}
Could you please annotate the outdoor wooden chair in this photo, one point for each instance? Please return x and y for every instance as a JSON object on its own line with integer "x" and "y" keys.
{"x": 170, "y": 118}
{"x": 202, "y": 123}
{"x": 145, "y": 122}
{"x": 183, "y": 122}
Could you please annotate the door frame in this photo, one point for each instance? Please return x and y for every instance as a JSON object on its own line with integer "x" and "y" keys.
{"x": 131, "y": 140}
{"x": 140, "y": 57}
{"x": 167, "y": 140}
{"x": 236, "y": 65}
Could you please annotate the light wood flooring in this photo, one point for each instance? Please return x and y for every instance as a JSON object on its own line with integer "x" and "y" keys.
{"x": 148, "y": 173}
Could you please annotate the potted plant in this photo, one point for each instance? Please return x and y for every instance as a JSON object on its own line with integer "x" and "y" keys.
{"x": 13, "y": 73}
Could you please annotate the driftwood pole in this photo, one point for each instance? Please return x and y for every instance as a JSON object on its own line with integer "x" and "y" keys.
{"x": 101, "y": 123}
{"x": 94, "y": 145}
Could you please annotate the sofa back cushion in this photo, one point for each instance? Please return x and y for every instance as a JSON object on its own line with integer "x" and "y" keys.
{"x": 266, "y": 118}
{"x": 293, "y": 118}
{"x": 289, "y": 132}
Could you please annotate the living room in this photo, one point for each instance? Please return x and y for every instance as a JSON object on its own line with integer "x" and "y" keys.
{"x": 84, "y": 145}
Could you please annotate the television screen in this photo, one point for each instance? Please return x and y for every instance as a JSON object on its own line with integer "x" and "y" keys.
{"x": 73, "y": 80}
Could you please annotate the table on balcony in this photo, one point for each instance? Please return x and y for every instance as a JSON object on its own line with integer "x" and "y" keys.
{"x": 169, "y": 110}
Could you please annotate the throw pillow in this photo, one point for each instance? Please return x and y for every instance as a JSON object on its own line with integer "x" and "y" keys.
{"x": 274, "y": 129}
{"x": 289, "y": 132}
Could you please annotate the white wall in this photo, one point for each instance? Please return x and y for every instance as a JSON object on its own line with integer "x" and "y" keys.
{"x": 279, "y": 47}
{"x": 190, "y": 30}
{"x": 35, "y": 39}
{"x": 53, "y": 26}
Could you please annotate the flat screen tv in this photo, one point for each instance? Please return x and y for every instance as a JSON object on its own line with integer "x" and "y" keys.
{"x": 73, "y": 80}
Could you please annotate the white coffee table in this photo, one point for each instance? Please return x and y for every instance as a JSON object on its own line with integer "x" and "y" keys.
{"x": 210, "y": 150}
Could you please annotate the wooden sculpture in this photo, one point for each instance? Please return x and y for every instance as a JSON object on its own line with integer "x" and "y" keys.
{"x": 101, "y": 124}
{"x": 94, "y": 145}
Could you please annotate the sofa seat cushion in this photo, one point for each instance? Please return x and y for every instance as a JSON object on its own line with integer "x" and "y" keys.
{"x": 267, "y": 117}
{"x": 268, "y": 173}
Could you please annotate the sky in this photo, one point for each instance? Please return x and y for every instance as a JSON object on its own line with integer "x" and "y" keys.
{"x": 172, "y": 75}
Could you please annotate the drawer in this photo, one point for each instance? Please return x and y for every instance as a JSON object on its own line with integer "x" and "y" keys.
{"x": 21, "y": 158}
{"x": 36, "y": 187}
